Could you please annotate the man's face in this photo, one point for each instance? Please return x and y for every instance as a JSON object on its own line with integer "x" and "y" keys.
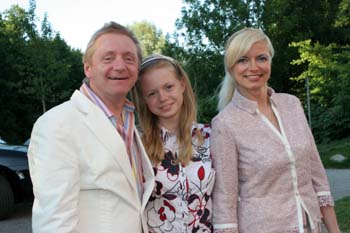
{"x": 113, "y": 67}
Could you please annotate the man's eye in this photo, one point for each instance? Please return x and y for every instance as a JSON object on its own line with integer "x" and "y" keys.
{"x": 130, "y": 59}
{"x": 107, "y": 59}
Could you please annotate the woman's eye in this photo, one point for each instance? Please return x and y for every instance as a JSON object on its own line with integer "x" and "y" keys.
{"x": 263, "y": 58}
{"x": 242, "y": 60}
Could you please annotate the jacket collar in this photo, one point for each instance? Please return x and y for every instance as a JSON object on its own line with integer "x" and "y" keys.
{"x": 99, "y": 124}
{"x": 249, "y": 105}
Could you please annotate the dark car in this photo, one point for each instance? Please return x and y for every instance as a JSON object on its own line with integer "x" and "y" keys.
{"x": 15, "y": 183}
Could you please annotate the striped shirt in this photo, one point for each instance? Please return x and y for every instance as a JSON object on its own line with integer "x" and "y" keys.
{"x": 126, "y": 131}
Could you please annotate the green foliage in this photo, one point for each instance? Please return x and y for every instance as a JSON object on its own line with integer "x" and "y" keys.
{"x": 311, "y": 39}
{"x": 343, "y": 16}
{"x": 199, "y": 44}
{"x": 205, "y": 25}
{"x": 287, "y": 21}
{"x": 327, "y": 150}
{"x": 39, "y": 70}
{"x": 151, "y": 39}
{"x": 205, "y": 77}
{"x": 209, "y": 23}
{"x": 205, "y": 70}
{"x": 342, "y": 207}
{"x": 327, "y": 70}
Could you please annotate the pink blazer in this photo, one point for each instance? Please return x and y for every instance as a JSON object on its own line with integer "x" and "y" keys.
{"x": 266, "y": 179}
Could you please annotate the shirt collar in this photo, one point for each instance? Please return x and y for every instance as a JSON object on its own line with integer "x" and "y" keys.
{"x": 87, "y": 91}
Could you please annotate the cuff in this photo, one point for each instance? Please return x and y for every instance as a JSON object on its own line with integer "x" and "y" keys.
{"x": 325, "y": 201}
{"x": 225, "y": 228}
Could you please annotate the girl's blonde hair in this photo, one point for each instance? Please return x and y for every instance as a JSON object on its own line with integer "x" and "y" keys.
{"x": 236, "y": 46}
{"x": 151, "y": 134}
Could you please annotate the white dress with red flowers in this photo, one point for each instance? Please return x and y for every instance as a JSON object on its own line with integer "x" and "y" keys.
{"x": 181, "y": 200}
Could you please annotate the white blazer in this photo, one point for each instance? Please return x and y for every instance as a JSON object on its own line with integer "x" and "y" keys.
{"x": 81, "y": 174}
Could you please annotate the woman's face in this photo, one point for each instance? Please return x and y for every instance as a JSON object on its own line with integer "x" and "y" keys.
{"x": 253, "y": 70}
{"x": 163, "y": 93}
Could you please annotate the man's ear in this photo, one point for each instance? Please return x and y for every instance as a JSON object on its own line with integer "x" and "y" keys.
{"x": 87, "y": 70}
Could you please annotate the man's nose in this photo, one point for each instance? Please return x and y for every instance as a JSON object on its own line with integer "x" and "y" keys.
{"x": 118, "y": 64}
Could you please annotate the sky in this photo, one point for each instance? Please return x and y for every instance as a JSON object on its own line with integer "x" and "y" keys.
{"x": 77, "y": 20}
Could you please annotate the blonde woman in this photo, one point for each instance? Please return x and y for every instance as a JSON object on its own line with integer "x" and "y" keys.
{"x": 178, "y": 147}
{"x": 270, "y": 178}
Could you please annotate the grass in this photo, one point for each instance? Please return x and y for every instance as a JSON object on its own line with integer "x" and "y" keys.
{"x": 342, "y": 210}
{"x": 327, "y": 150}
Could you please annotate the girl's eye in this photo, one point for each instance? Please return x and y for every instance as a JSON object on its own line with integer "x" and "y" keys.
{"x": 150, "y": 94}
{"x": 169, "y": 87}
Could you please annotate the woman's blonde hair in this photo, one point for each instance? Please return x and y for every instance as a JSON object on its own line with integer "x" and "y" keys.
{"x": 236, "y": 46}
{"x": 151, "y": 134}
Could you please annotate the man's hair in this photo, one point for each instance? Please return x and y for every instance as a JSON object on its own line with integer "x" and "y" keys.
{"x": 110, "y": 27}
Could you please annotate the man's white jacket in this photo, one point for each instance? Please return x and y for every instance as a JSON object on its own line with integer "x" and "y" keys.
{"x": 81, "y": 174}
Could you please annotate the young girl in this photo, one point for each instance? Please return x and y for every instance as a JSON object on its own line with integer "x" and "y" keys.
{"x": 177, "y": 146}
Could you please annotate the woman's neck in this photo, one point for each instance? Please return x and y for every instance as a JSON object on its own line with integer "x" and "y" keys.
{"x": 260, "y": 95}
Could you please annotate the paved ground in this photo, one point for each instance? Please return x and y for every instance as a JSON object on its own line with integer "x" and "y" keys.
{"x": 339, "y": 180}
{"x": 20, "y": 222}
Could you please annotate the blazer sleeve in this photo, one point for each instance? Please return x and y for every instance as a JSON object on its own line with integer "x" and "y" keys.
{"x": 225, "y": 193}
{"x": 319, "y": 176}
{"x": 54, "y": 170}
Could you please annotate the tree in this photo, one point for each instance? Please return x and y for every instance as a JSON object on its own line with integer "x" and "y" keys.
{"x": 292, "y": 21}
{"x": 39, "y": 70}
{"x": 204, "y": 27}
{"x": 325, "y": 63}
{"x": 16, "y": 30}
{"x": 327, "y": 70}
{"x": 207, "y": 24}
{"x": 151, "y": 38}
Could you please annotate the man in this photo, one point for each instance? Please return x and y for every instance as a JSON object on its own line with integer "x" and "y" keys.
{"x": 89, "y": 169}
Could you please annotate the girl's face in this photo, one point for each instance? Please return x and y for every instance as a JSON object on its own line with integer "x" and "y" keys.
{"x": 163, "y": 93}
{"x": 253, "y": 70}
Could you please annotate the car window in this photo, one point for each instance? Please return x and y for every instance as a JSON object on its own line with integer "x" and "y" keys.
{"x": 26, "y": 143}
{"x": 2, "y": 141}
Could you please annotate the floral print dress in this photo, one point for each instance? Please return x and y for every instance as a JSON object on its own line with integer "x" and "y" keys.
{"x": 181, "y": 200}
